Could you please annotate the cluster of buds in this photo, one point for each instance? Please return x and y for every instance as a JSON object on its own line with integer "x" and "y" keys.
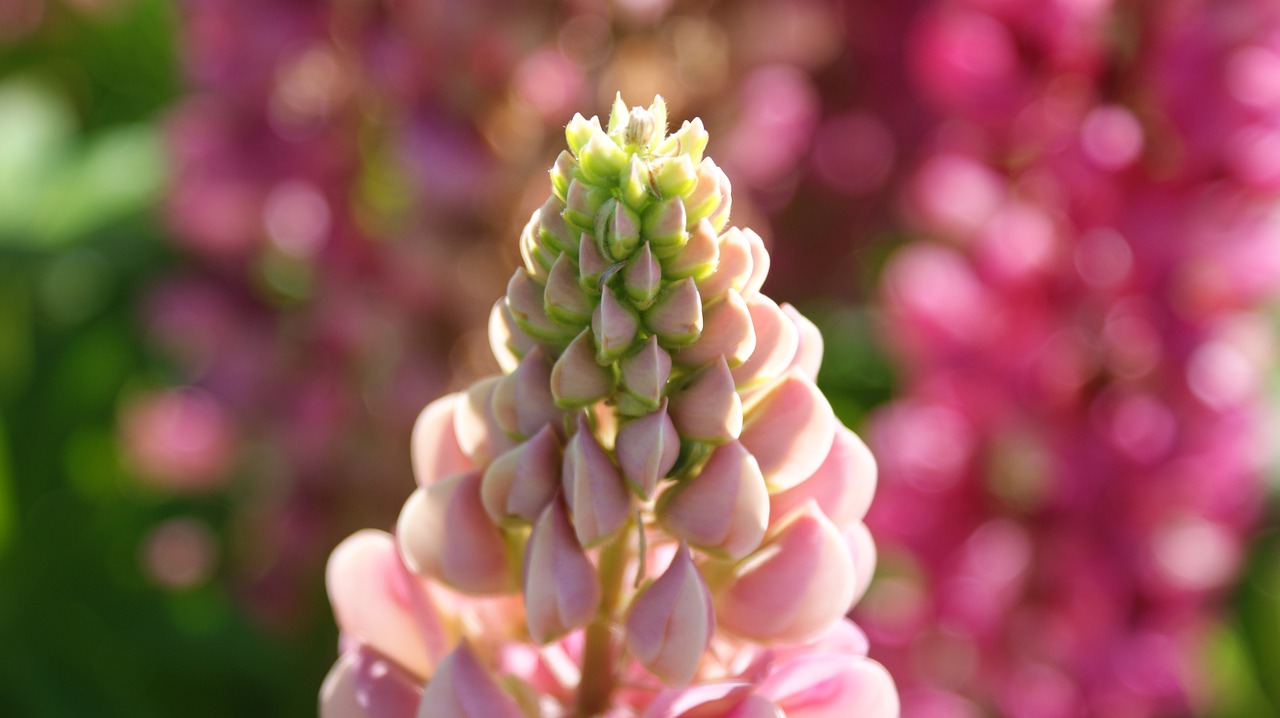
{"x": 653, "y": 511}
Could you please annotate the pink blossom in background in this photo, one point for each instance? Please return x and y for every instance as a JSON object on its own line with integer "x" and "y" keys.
{"x": 1073, "y": 465}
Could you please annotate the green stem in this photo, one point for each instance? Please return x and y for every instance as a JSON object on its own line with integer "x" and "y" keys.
{"x": 596, "y": 688}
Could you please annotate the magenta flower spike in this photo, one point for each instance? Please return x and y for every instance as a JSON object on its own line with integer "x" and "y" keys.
{"x": 655, "y": 511}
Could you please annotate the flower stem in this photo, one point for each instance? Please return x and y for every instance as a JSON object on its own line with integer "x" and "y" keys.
{"x": 598, "y": 678}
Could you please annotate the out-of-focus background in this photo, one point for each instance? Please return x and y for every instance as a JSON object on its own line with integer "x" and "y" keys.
{"x": 242, "y": 242}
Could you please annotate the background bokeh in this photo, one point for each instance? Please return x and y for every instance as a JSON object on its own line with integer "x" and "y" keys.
{"x": 242, "y": 242}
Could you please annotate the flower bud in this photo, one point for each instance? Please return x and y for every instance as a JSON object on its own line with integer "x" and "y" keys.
{"x": 502, "y": 406}
{"x": 577, "y": 380}
{"x": 708, "y": 408}
{"x": 537, "y": 258}
{"x": 724, "y": 509}
{"x": 591, "y": 264}
{"x": 519, "y": 484}
{"x": 634, "y": 187}
{"x": 620, "y": 227}
{"x": 705, "y": 197}
{"x": 619, "y": 116}
{"x": 535, "y": 407}
{"x": 434, "y": 444}
{"x": 690, "y": 139}
{"x": 597, "y": 496}
{"x": 524, "y": 301}
{"x": 552, "y": 230}
{"x": 699, "y": 256}
{"x": 777, "y": 340}
{"x": 720, "y": 216}
{"x": 645, "y": 373}
{"x": 675, "y": 176}
{"x": 733, "y": 268}
{"x": 647, "y": 448}
{"x": 809, "y": 347}
{"x": 372, "y": 597}
{"x": 789, "y": 429}
{"x": 727, "y": 331}
{"x": 676, "y": 315}
{"x": 561, "y": 173}
{"x": 477, "y": 429}
{"x": 602, "y": 159}
{"x": 579, "y": 131}
{"x": 463, "y": 688}
{"x": 615, "y": 326}
{"x": 842, "y": 485}
{"x": 561, "y": 589}
{"x": 364, "y": 684}
{"x": 583, "y": 203}
{"x": 799, "y": 583}
{"x": 863, "y": 549}
{"x": 671, "y": 621}
{"x": 564, "y": 301}
{"x": 506, "y": 339}
{"x": 642, "y": 278}
{"x": 759, "y": 264}
{"x": 444, "y": 532}
{"x": 663, "y": 225}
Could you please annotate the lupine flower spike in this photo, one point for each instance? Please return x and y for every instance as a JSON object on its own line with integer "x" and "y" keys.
{"x": 654, "y": 513}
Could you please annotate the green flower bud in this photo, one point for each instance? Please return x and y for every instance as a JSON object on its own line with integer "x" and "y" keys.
{"x": 664, "y": 226}
{"x": 582, "y": 204}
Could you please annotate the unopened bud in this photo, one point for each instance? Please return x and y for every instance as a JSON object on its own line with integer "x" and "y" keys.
{"x": 642, "y": 278}
{"x": 552, "y": 230}
{"x": 601, "y": 159}
{"x": 564, "y": 301}
{"x": 733, "y": 268}
{"x": 580, "y": 130}
{"x": 561, "y": 589}
{"x": 365, "y": 683}
{"x": 621, "y": 230}
{"x": 647, "y": 448}
{"x": 583, "y": 203}
{"x": 597, "y": 496}
{"x": 808, "y": 358}
{"x": 705, "y": 197}
{"x": 777, "y": 340}
{"x": 518, "y": 485}
{"x": 475, "y": 425}
{"x": 727, "y": 331}
{"x": 708, "y": 409}
{"x": 645, "y": 373}
{"x": 724, "y": 509}
{"x": 663, "y": 225}
{"x": 614, "y": 326}
{"x": 535, "y": 407}
{"x": 444, "y": 532}
{"x": 463, "y": 688}
{"x": 671, "y": 621}
{"x": 561, "y": 173}
{"x": 577, "y": 379}
{"x": 506, "y": 339}
{"x": 634, "y": 187}
{"x": 434, "y": 444}
{"x": 699, "y": 256}
{"x": 690, "y": 139}
{"x": 591, "y": 264}
{"x": 524, "y": 301}
{"x": 640, "y": 128}
{"x": 676, "y": 315}
{"x": 675, "y": 176}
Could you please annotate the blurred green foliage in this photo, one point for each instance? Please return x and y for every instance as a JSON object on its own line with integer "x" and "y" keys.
{"x": 85, "y": 632}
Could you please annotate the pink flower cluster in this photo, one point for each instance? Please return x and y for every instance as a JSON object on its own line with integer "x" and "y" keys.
{"x": 652, "y": 511}
{"x": 1073, "y": 463}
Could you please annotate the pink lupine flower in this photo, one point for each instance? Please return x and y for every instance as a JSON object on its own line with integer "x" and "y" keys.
{"x": 622, "y": 458}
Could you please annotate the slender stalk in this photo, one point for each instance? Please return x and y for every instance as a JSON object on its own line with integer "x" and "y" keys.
{"x": 598, "y": 674}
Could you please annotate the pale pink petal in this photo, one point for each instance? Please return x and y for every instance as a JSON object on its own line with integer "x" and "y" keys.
{"x": 843, "y": 485}
{"x": 789, "y": 429}
{"x": 435, "y": 449}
